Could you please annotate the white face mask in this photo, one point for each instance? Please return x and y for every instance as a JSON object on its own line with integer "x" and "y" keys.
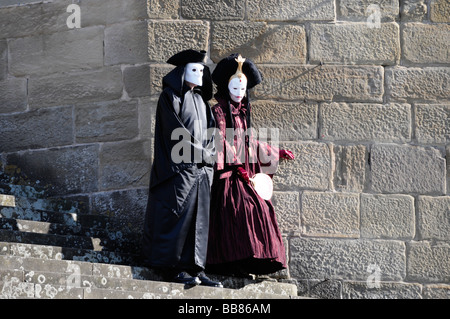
{"x": 193, "y": 73}
{"x": 237, "y": 88}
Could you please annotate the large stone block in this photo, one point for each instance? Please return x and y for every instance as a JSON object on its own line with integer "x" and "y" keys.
{"x": 57, "y": 52}
{"x": 414, "y": 10}
{"x": 350, "y": 169}
{"x": 354, "y": 43}
{"x": 434, "y": 217}
{"x": 126, "y": 43}
{"x": 330, "y": 214}
{"x": 295, "y": 121}
{"x": 321, "y": 83}
{"x": 68, "y": 170}
{"x": 387, "y": 216}
{"x": 36, "y": 129}
{"x": 259, "y": 41}
{"x": 287, "y": 209}
{"x": 407, "y": 169}
{"x": 136, "y": 80}
{"x": 94, "y": 12}
{"x": 125, "y": 164}
{"x": 365, "y": 122}
{"x": 165, "y": 38}
{"x": 293, "y": 10}
{"x": 428, "y": 262}
{"x": 440, "y": 11}
{"x": 430, "y": 83}
{"x": 346, "y": 259}
{"x": 311, "y": 168}
{"x": 13, "y": 95}
{"x": 163, "y": 9}
{"x": 35, "y": 18}
{"x": 212, "y": 9}
{"x": 368, "y": 10}
{"x": 383, "y": 290}
{"x": 432, "y": 123}
{"x": 98, "y": 85}
{"x": 107, "y": 121}
{"x": 426, "y": 43}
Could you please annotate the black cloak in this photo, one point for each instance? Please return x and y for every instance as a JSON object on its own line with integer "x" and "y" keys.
{"x": 177, "y": 217}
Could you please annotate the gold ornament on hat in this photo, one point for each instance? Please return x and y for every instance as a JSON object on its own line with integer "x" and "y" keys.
{"x": 239, "y": 74}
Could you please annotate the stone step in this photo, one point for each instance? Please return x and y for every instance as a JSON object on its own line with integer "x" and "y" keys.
{"x": 66, "y": 253}
{"x": 40, "y": 278}
{"x": 69, "y": 241}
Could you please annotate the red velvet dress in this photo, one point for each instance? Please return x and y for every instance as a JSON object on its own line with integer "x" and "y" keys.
{"x": 243, "y": 236}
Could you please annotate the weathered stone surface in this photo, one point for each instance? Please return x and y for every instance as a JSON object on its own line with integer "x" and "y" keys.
{"x": 365, "y": 122}
{"x": 259, "y": 41}
{"x": 35, "y": 18}
{"x": 36, "y": 129}
{"x": 157, "y": 72}
{"x": 440, "y": 11}
{"x": 322, "y": 83}
{"x": 287, "y": 209}
{"x": 432, "y": 123}
{"x": 294, "y": 10}
{"x": 368, "y": 10}
{"x": 99, "y": 85}
{"x": 387, "y": 216}
{"x": 165, "y": 38}
{"x": 126, "y": 205}
{"x": 384, "y": 290}
{"x": 57, "y": 52}
{"x": 136, "y": 80}
{"x": 125, "y": 164}
{"x": 438, "y": 291}
{"x": 295, "y": 121}
{"x": 407, "y": 169}
{"x": 110, "y": 121}
{"x": 126, "y": 43}
{"x": 426, "y": 43}
{"x": 346, "y": 259}
{"x": 211, "y": 9}
{"x": 350, "y": 167}
{"x": 7, "y": 200}
{"x": 163, "y": 8}
{"x": 428, "y": 263}
{"x": 434, "y": 217}
{"x": 447, "y": 156}
{"x": 13, "y": 95}
{"x": 414, "y": 10}
{"x": 95, "y": 12}
{"x": 430, "y": 84}
{"x": 354, "y": 43}
{"x": 55, "y": 168}
{"x": 311, "y": 168}
{"x": 147, "y": 113}
{"x": 3, "y": 59}
{"x": 330, "y": 214}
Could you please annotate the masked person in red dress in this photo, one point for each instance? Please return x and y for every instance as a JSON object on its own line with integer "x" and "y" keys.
{"x": 244, "y": 237}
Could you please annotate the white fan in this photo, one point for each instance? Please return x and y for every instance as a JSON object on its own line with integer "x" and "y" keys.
{"x": 263, "y": 185}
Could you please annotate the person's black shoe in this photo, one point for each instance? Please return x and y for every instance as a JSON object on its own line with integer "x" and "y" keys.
{"x": 184, "y": 278}
{"x": 205, "y": 281}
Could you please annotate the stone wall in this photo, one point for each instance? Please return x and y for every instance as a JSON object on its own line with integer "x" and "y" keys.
{"x": 360, "y": 91}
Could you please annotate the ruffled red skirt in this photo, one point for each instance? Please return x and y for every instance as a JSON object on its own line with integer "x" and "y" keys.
{"x": 243, "y": 235}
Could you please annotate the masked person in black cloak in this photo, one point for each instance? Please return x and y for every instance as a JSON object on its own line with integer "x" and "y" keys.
{"x": 244, "y": 235}
{"x": 177, "y": 218}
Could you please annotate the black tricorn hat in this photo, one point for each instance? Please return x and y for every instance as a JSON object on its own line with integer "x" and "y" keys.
{"x": 227, "y": 67}
{"x": 188, "y": 56}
